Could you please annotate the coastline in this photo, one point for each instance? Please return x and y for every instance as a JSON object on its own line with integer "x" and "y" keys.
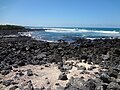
{"x": 26, "y": 59}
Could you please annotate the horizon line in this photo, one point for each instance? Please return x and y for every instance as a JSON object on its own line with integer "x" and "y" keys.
{"x": 85, "y": 26}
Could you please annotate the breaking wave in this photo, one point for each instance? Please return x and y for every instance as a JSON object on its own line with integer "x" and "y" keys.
{"x": 59, "y": 30}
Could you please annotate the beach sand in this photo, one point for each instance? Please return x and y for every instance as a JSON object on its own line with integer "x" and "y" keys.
{"x": 48, "y": 76}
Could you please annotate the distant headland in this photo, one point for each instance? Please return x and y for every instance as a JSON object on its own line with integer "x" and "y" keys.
{"x": 11, "y": 27}
{"x": 14, "y": 29}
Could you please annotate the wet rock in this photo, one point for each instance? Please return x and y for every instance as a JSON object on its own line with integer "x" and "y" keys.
{"x": 61, "y": 41}
{"x": 62, "y": 76}
{"x": 29, "y": 72}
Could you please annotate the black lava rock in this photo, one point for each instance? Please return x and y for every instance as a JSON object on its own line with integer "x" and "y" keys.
{"x": 105, "y": 78}
{"x": 5, "y": 72}
{"x": 15, "y": 65}
{"x": 20, "y": 63}
{"x": 113, "y": 73}
{"x": 63, "y": 76}
{"x": 7, "y": 82}
{"x": 7, "y": 68}
{"x": 91, "y": 84}
{"x": 30, "y": 85}
{"x": 29, "y": 72}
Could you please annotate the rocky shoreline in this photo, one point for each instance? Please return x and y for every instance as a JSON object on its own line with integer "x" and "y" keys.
{"x": 82, "y": 65}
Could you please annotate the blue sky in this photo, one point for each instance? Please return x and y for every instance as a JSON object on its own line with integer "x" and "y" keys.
{"x": 60, "y": 12}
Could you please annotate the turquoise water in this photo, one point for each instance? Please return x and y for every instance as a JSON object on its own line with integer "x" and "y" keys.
{"x": 72, "y": 33}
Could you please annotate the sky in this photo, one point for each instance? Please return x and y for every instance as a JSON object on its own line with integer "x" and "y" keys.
{"x": 61, "y": 12}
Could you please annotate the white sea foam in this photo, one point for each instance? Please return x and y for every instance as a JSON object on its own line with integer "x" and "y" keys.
{"x": 92, "y": 38}
{"x": 46, "y": 40}
{"x": 28, "y": 34}
{"x": 70, "y": 34}
{"x": 61, "y": 30}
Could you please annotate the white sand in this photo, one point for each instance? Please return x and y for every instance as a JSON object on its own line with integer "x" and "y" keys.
{"x": 43, "y": 74}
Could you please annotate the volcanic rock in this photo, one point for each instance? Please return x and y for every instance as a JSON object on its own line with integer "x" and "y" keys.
{"x": 75, "y": 84}
{"x": 105, "y": 78}
{"x": 63, "y": 76}
{"x": 29, "y": 72}
{"x": 113, "y": 86}
{"x": 81, "y": 68}
{"x": 5, "y": 72}
{"x": 7, "y": 82}
{"x": 13, "y": 88}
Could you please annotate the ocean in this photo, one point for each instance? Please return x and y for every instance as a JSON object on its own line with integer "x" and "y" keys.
{"x": 53, "y": 34}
